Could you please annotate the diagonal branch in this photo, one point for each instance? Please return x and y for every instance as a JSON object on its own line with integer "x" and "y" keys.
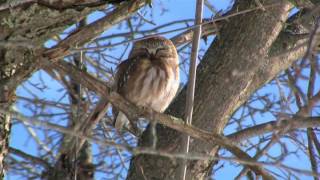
{"x": 286, "y": 124}
{"x": 90, "y": 31}
{"x": 134, "y": 112}
{"x": 55, "y": 4}
{"x": 141, "y": 150}
{"x": 29, "y": 157}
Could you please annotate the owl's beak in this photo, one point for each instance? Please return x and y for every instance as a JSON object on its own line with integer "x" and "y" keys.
{"x": 152, "y": 52}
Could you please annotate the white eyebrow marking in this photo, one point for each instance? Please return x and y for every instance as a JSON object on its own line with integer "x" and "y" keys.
{"x": 152, "y": 50}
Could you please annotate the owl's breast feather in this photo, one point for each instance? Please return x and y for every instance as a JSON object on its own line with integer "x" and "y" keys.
{"x": 162, "y": 89}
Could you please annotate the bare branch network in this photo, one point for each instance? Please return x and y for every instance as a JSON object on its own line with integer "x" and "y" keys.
{"x": 255, "y": 110}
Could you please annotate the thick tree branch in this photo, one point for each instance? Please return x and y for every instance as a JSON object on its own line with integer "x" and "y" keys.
{"x": 90, "y": 31}
{"x": 29, "y": 157}
{"x": 79, "y": 37}
{"x": 254, "y": 83}
{"x": 225, "y": 73}
{"x": 134, "y": 150}
{"x": 133, "y": 112}
{"x": 34, "y": 29}
{"x": 282, "y": 58}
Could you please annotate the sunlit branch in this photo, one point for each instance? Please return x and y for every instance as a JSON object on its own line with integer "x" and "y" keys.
{"x": 151, "y": 151}
{"x": 283, "y": 125}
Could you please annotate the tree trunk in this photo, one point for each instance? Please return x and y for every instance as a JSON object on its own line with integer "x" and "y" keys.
{"x": 25, "y": 27}
{"x": 5, "y": 120}
{"x": 235, "y": 65}
{"x": 224, "y": 77}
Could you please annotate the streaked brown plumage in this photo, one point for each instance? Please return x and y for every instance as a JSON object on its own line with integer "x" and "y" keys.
{"x": 150, "y": 76}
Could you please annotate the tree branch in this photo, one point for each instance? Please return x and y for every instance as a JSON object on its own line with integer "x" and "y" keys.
{"x": 182, "y": 171}
{"x": 29, "y": 157}
{"x": 134, "y": 112}
{"x": 90, "y": 31}
{"x": 283, "y": 125}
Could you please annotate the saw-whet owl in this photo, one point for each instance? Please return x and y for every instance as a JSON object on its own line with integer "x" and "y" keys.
{"x": 149, "y": 77}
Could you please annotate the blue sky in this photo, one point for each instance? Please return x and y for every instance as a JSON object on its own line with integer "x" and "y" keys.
{"x": 177, "y": 9}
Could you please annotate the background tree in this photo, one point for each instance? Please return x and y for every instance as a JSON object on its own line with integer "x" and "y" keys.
{"x": 256, "y": 109}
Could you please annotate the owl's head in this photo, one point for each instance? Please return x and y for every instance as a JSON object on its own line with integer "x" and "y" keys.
{"x": 155, "y": 47}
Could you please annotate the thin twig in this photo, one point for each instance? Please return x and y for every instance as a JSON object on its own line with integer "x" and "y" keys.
{"x": 133, "y": 111}
{"x": 90, "y": 31}
{"x": 191, "y": 84}
{"x": 146, "y": 150}
{"x": 175, "y": 30}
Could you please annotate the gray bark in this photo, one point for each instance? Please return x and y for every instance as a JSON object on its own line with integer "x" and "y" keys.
{"x": 224, "y": 81}
{"x": 24, "y": 29}
{"x": 237, "y": 63}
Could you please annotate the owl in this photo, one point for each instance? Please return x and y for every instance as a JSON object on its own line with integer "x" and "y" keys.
{"x": 149, "y": 77}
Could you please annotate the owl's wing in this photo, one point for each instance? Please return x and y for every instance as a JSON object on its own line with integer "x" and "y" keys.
{"x": 122, "y": 75}
{"x": 123, "y": 72}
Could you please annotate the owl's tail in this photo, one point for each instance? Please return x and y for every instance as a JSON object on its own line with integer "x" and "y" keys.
{"x": 121, "y": 121}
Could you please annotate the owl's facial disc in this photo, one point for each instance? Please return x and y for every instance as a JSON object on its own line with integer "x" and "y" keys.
{"x": 156, "y": 52}
{"x": 154, "y": 48}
